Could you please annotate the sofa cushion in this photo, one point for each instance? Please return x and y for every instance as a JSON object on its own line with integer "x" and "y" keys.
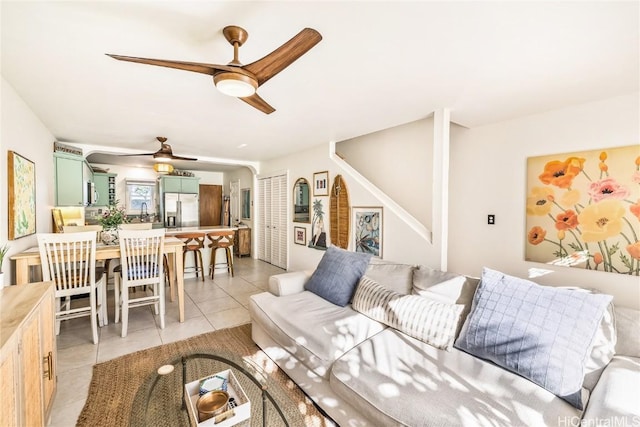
{"x": 543, "y": 333}
{"x": 616, "y": 398}
{"x": 395, "y": 276}
{"x": 395, "y": 380}
{"x": 427, "y": 320}
{"x": 337, "y": 275}
{"x": 603, "y": 350}
{"x": 313, "y": 330}
{"x": 445, "y": 286}
{"x": 627, "y": 327}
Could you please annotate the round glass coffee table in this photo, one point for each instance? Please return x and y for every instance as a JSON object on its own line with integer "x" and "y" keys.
{"x": 160, "y": 400}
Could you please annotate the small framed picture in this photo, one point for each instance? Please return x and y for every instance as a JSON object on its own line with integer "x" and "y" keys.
{"x": 321, "y": 183}
{"x": 367, "y": 230}
{"x": 299, "y": 235}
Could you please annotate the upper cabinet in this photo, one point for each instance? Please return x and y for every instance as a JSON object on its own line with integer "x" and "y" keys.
{"x": 105, "y": 188}
{"x": 69, "y": 180}
{"x": 179, "y": 184}
{"x": 73, "y": 178}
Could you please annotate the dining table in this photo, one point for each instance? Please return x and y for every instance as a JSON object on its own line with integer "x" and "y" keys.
{"x": 172, "y": 248}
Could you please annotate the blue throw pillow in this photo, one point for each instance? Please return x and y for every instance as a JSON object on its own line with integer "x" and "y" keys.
{"x": 542, "y": 333}
{"x": 337, "y": 275}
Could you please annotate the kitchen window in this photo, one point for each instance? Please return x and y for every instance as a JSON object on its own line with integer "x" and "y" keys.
{"x": 141, "y": 197}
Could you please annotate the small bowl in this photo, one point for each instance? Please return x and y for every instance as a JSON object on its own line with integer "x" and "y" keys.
{"x": 211, "y": 404}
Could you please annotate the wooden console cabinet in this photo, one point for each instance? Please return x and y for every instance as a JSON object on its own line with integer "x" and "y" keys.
{"x": 28, "y": 354}
{"x": 243, "y": 241}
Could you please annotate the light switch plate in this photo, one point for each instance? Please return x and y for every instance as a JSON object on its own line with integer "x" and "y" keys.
{"x": 491, "y": 219}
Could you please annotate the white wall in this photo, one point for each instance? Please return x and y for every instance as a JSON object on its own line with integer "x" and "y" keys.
{"x": 21, "y": 131}
{"x": 488, "y": 176}
{"x": 400, "y": 243}
{"x": 399, "y": 161}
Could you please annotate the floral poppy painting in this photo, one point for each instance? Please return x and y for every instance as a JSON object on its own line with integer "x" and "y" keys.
{"x": 583, "y": 210}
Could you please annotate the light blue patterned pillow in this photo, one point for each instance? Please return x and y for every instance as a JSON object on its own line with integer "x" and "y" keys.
{"x": 337, "y": 275}
{"x": 542, "y": 333}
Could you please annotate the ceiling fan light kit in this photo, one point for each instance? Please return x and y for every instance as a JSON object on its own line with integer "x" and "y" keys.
{"x": 163, "y": 168}
{"x": 236, "y": 79}
{"x": 234, "y": 84}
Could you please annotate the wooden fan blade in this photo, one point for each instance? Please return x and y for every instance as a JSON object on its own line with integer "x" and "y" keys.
{"x": 196, "y": 67}
{"x": 282, "y": 57}
{"x": 140, "y": 154}
{"x": 182, "y": 158}
{"x": 259, "y": 103}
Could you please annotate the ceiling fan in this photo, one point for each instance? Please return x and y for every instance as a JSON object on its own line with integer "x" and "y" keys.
{"x": 164, "y": 153}
{"x": 241, "y": 81}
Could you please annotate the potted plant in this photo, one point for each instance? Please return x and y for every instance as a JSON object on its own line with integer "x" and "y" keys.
{"x": 110, "y": 220}
{"x": 3, "y": 251}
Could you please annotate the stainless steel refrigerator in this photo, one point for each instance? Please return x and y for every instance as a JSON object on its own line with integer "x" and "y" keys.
{"x": 181, "y": 210}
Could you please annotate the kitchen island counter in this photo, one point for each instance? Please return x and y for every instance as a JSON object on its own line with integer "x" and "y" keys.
{"x": 201, "y": 229}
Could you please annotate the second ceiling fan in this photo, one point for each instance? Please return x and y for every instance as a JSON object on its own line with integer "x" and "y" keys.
{"x": 164, "y": 153}
{"x": 239, "y": 80}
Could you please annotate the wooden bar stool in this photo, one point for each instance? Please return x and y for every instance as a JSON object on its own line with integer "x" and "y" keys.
{"x": 193, "y": 242}
{"x": 221, "y": 240}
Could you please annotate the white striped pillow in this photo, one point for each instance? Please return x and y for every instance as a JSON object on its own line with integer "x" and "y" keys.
{"x": 430, "y": 321}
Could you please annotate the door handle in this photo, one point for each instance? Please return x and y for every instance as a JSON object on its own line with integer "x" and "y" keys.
{"x": 48, "y": 362}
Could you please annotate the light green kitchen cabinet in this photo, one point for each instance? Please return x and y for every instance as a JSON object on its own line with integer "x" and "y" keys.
{"x": 69, "y": 182}
{"x": 171, "y": 184}
{"x": 105, "y": 188}
{"x": 179, "y": 184}
{"x": 190, "y": 185}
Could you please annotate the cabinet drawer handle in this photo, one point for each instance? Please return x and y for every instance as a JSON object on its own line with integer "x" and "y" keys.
{"x": 48, "y": 361}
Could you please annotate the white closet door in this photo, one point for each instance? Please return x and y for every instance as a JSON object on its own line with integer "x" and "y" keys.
{"x": 279, "y": 221}
{"x": 272, "y": 220}
{"x": 264, "y": 223}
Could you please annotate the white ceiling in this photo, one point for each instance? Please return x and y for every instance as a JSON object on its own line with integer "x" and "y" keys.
{"x": 380, "y": 64}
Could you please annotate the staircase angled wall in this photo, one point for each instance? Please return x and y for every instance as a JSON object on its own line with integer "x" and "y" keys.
{"x": 396, "y": 164}
{"x": 417, "y": 226}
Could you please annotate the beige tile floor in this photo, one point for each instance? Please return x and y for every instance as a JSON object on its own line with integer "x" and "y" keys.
{"x": 209, "y": 305}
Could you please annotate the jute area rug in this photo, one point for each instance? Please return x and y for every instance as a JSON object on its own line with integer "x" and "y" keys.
{"x": 120, "y": 388}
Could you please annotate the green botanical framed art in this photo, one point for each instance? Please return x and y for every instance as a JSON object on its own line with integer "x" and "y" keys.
{"x": 22, "y": 195}
{"x": 583, "y": 210}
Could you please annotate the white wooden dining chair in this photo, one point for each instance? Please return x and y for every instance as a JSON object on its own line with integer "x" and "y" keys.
{"x": 136, "y": 226}
{"x": 140, "y": 226}
{"x": 101, "y": 268}
{"x": 130, "y": 226}
{"x": 141, "y": 254}
{"x": 69, "y": 260}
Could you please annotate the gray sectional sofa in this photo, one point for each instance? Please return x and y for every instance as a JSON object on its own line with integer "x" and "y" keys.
{"x": 363, "y": 372}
